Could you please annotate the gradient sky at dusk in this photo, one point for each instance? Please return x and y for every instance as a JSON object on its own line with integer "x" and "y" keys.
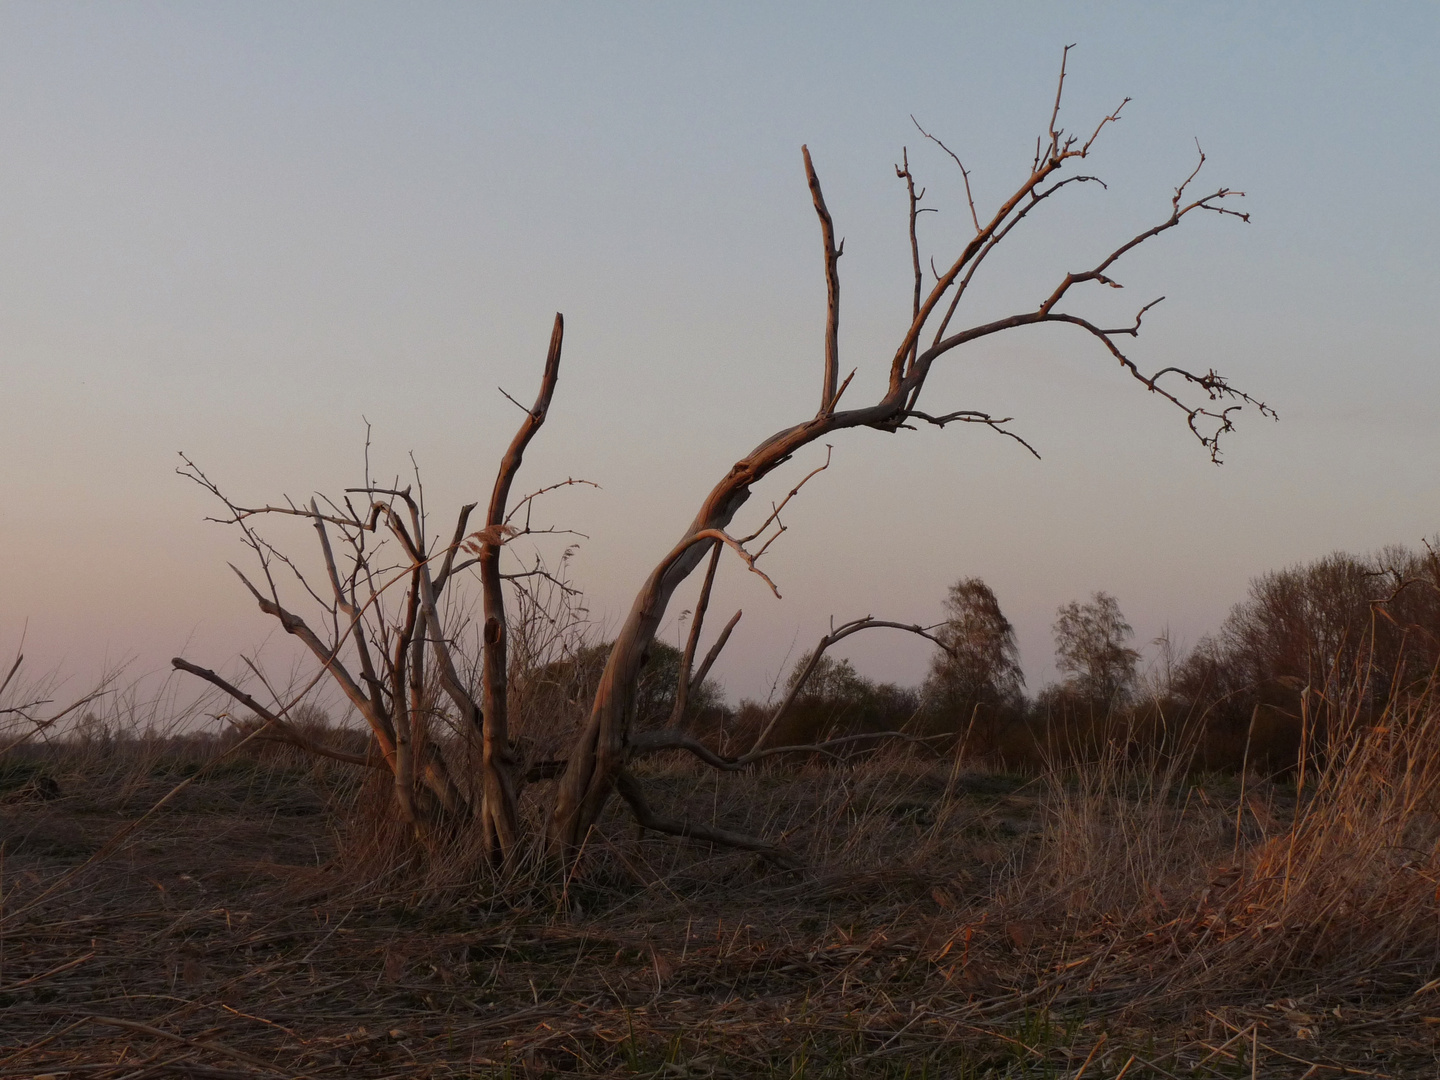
{"x": 235, "y": 229}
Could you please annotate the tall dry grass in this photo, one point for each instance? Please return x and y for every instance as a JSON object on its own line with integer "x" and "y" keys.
{"x": 1125, "y": 899}
{"x": 1210, "y": 884}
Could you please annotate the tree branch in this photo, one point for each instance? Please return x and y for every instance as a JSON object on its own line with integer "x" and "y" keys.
{"x": 287, "y": 734}
{"x": 903, "y": 172}
{"x": 687, "y": 658}
{"x": 329, "y": 661}
{"x": 775, "y": 510}
{"x": 1215, "y": 386}
{"x": 655, "y": 742}
{"x": 501, "y": 811}
{"x": 964, "y": 174}
{"x": 447, "y": 567}
{"x": 631, "y": 791}
{"x": 528, "y": 500}
{"x": 832, "y": 288}
{"x": 714, "y": 652}
{"x": 973, "y": 416}
{"x": 836, "y": 634}
{"x": 739, "y": 549}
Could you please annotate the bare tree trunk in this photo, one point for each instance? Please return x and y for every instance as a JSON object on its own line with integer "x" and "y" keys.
{"x": 600, "y": 748}
{"x": 500, "y": 809}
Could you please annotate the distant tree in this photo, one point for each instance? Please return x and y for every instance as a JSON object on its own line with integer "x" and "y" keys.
{"x": 1308, "y": 629}
{"x": 92, "y": 732}
{"x": 1303, "y": 621}
{"x": 1091, "y": 650}
{"x": 1407, "y": 622}
{"x": 832, "y": 680}
{"x": 1342, "y": 625}
{"x": 656, "y": 689}
{"x": 982, "y": 667}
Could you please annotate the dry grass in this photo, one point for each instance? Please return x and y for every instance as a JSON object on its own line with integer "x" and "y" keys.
{"x": 1118, "y": 918}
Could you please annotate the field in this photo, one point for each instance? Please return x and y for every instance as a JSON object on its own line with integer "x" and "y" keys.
{"x": 1124, "y": 918}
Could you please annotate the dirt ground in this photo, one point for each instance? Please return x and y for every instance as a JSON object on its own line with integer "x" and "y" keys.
{"x": 221, "y": 938}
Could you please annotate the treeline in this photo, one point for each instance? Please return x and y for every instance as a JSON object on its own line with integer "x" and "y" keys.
{"x": 1351, "y": 632}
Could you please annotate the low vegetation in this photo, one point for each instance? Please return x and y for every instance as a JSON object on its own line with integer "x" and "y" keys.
{"x": 215, "y": 905}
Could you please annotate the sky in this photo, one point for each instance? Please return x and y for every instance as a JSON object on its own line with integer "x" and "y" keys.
{"x": 244, "y": 230}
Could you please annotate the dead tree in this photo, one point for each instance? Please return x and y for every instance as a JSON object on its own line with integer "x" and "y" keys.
{"x": 380, "y": 660}
{"x": 597, "y": 760}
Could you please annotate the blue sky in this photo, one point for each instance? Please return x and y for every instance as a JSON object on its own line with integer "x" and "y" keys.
{"x": 237, "y": 229}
